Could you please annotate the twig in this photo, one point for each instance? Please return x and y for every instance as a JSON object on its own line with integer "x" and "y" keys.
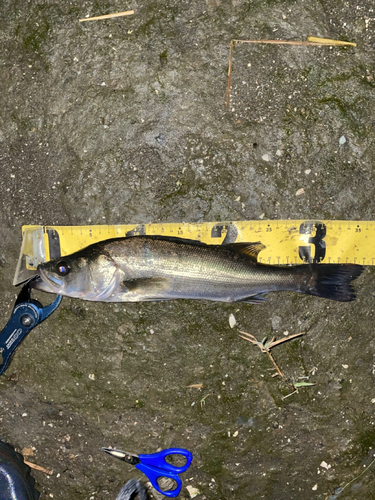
{"x": 311, "y": 41}
{"x": 229, "y": 71}
{"x": 287, "y": 42}
{"x": 266, "y": 347}
{"x": 277, "y": 342}
{"x": 108, "y": 16}
{"x": 202, "y": 401}
{"x": 291, "y": 394}
{"x": 49, "y": 472}
{"x": 275, "y": 364}
{"x": 361, "y": 474}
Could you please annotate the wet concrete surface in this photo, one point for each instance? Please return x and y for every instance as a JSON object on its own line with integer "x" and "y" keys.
{"x": 124, "y": 121}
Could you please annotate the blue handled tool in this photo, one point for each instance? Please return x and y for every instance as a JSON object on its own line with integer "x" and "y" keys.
{"x": 155, "y": 466}
{"x": 26, "y": 315}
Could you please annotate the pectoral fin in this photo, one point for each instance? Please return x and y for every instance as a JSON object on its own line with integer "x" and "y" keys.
{"x": 255, "y": 299}
{"x": 147, "y": 286}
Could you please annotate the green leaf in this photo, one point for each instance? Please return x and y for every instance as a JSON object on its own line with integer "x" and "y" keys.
{"x": 303, "y": 384}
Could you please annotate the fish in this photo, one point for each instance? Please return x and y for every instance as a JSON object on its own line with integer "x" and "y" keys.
{"x": 150, "y": 268}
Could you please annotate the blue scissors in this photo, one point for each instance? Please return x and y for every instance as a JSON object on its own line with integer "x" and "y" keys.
{"x": 26, "y": 315}
{"x": 155, "y": 466}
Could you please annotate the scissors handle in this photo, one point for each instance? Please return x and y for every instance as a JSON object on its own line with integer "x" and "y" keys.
{"x": 159, "y": 459}
{"x": 155, "y": 466}
{"x": 154, "y": 473}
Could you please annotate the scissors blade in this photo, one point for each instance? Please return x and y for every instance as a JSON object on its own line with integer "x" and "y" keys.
{"x": 130, "y": 458}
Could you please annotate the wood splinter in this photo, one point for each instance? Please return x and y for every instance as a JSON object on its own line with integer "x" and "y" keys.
{"x": 49, "y": 472}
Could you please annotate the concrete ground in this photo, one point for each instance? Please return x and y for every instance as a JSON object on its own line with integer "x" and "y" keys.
{"x": 124, "y": 121}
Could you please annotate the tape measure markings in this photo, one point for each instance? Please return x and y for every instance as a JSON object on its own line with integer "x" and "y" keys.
{"x": 286, "y": 241}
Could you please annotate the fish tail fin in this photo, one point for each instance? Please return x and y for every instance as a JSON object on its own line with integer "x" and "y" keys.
{"x": 333, "y": 281}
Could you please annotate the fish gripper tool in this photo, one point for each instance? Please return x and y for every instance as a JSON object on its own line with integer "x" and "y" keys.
{"x": 26, "y": 315}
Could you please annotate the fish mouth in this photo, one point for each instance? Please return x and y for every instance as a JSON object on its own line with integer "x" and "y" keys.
{"x": 46, "y": 283}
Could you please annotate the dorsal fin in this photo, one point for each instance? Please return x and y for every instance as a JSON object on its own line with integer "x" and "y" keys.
{"x": 250, "y": 249}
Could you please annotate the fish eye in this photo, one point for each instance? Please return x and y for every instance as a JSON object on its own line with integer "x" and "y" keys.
{"x": 62, "y": 268}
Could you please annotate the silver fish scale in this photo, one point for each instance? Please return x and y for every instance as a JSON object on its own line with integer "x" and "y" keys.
{"x": 196, "y": 271}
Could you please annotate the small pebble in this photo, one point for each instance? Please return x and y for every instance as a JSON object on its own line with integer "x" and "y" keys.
{"x": 342, "y": 140}
{"x": 232, "y": 321}
{"x": 300, "y": 191}
{"x": 325, "y": 465}
{"x": 315, "y": 487}
{"x": 193, "y": 492}
{"x": 266, "y": 157}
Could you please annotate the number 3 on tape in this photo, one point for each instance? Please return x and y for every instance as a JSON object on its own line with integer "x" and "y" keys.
{"x": 317, "y": 240}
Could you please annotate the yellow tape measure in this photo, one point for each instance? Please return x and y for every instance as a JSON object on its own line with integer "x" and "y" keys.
{"x": 286, "y": 241}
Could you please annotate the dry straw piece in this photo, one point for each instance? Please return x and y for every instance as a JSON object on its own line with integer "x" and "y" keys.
{"x": 328, "y": 41}
{"x": 311, "y": 41}
{"x": 108, "y": 16}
